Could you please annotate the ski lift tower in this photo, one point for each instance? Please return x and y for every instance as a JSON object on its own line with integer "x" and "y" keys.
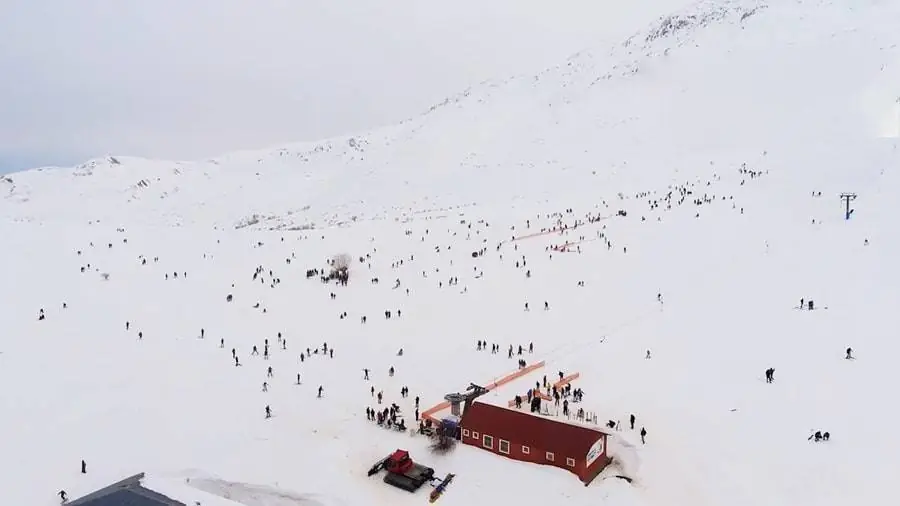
{"x": 474, "y": 392}
{"x": 456, "y": 401}
{"x": 847, "y": 198}
{"x": 459, "y": 402}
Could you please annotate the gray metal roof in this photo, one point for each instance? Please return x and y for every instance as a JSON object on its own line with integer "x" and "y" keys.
{"x": 128, "y": 492}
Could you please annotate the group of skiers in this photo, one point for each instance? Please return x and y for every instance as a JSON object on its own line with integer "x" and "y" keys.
{"x": 614, "y": 424}
{"x": 63, "y": 495}
{"x": 819, "y": 436}
{"x": 388, "y": 417}
{"x": 807, "y": 304}
{"x": 565, "y": 222}
{"x": 770, "y": 378}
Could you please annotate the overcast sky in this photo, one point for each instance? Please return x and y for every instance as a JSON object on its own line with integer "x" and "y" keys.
{"x": 196, "y": 78}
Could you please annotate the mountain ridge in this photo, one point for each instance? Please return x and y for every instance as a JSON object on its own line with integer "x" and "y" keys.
{"x": 664, "y": 27}
{"x": 592, "y": 117}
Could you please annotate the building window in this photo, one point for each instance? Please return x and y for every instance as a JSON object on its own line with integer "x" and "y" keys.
{"x": 525, "y": 450}
{"x": 550, "y": 456}
{"x": 504, "y": 447}
{"x": 488, "y": 442}
{"x": 465, "y": 432}
{"x": 475, "y": 435}
{"x": 570, "y": 462}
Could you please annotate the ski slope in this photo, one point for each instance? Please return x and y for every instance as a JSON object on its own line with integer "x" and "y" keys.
{"x": 801, "y": 94}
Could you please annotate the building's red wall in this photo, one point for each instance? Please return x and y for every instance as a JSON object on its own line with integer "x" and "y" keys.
{"x": 590, "y": 472}
{"x": 538, "y": 456}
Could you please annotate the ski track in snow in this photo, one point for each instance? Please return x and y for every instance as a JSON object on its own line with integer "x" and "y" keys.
{"x": 258, "y": 495}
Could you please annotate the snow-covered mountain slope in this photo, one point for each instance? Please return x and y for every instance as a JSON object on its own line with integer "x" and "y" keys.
{"x": 719, "y": 83}
{"x": 725, "y": 133}
{"x": 731, "y": 269}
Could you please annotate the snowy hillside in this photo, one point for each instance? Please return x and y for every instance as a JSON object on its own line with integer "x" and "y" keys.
{"x": 725, "y": 133}
{"x": 719, "y": 82}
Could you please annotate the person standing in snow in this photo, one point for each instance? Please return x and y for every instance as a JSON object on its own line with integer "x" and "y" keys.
{"x": 268, "y": 412}
{"x": 643, "y": 435}
{"x": 632, "y": 421}
{"x": 849, "y": 354}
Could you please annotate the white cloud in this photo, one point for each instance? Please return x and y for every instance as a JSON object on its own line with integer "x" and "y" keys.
{"x": 194, "y": 78}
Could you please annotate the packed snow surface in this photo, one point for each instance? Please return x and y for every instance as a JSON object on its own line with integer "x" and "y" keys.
{"x": 726, "y": 132}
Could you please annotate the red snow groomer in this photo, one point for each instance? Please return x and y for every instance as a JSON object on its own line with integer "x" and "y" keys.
{"x": 403, "y": 473}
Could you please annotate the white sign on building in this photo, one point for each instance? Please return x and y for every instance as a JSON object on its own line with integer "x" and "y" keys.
{"x": 596, "y": 450}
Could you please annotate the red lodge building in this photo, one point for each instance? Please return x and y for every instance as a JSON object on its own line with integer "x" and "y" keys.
{"x": 533, "y": 438}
